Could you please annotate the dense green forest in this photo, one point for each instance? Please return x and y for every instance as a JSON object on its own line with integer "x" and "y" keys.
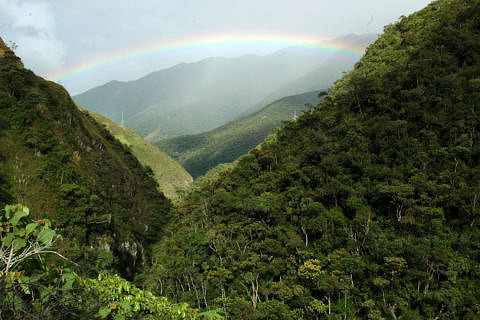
{"x": 202, "y": 152}
{"x": 66, "y": 167}
{"x": 38, "y": 283}
{"x": 365, "y": 208}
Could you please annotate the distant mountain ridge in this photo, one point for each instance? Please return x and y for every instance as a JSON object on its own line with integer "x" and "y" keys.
{"x": 323, "y": 76}
{"x": 202, "y": 152}
{"x": 191, "y": 98}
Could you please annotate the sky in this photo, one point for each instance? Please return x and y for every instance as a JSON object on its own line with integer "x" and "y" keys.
{"x": 56, "y": 37}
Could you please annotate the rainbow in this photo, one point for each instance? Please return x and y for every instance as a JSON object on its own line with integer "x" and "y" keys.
{"x": 153, "y": 49}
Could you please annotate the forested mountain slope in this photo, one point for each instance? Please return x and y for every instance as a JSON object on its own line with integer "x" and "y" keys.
{"x": 365, "y": 208}
{"x": 201, "y": 152}
{"x": 169, "y": 174}
{"x": 66, "y": 167}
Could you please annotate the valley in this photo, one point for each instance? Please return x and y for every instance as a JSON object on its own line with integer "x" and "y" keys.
{"x": 202, "y": 152}
{"x": 298, "y": 184}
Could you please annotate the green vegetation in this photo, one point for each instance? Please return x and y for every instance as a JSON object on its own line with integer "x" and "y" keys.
{"x": 212, "y": 175}
{"x": 115, "y": 298}
{"x": 31, "y": 288}
{"x": 61, "y": 162}
{"x": 365, "y": 208}
{"x": 27, "y": 285}
{"x": 201, "y": 152}
{"x": 169, "y": 174}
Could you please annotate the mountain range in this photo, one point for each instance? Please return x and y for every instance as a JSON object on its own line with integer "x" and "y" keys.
{"x": 366, "y": 207}
{"x": 191, "y": 98}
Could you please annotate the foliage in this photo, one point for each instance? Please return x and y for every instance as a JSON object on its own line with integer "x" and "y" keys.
{"x": 32, "y": 288}
{"x": 20, "y": 241}
{"x": 111, "y": 297}
{"x": 365, "y": 208}
{"x": 61, "y": 162}
{"x": 28, "y": 288}
{"x": 116, "y": 298}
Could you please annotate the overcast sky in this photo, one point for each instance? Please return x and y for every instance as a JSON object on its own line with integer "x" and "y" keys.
{"x": 54, "y": 35}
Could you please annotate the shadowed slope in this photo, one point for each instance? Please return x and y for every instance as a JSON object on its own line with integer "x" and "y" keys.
{"x": 68, "y": 168}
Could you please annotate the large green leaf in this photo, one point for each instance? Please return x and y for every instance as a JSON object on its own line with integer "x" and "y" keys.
{"x": 8, "y": 239}
{"x": 19, "y": 215}
{"x": 46, "y": 236}
{"x": 69, "y": 279}
{"x": 18, "y": 244}
{"x": 19, "y": 232}
{"x": 8, "y": 210}
{"x": 30, "y": 227}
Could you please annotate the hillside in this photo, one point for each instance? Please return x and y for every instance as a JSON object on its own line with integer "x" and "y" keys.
{"x": 169, "y": 174}
{"x": 66, "y": 167}
{"x": 199, "y": 153}
{"x": 191, "y": 98}
{"x": 365, "y": 208}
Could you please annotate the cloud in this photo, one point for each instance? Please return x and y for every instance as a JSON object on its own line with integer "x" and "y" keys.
{"x": 31, "y": 25}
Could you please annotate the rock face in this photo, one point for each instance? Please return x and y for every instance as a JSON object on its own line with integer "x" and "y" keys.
{"x": 3, "y": 47}
{"x": 6, "y": 51}
{"x": 131, "y": 255}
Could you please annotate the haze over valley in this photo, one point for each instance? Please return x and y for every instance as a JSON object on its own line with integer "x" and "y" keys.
{"x": 196, "y": 97}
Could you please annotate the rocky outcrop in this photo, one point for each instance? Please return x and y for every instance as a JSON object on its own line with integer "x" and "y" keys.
{"x": 131, "y": 256}
{"x": 3, "y": 48}
{"x": 12, "y": 58}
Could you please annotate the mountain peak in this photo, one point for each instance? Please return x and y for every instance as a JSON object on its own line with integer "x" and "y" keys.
{"x": 3, "y": 47}
{"x": 6, "y": 51}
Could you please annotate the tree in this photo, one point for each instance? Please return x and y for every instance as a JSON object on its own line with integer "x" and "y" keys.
{"x": 20, "y": 240}
{"x": 27, "y": 286}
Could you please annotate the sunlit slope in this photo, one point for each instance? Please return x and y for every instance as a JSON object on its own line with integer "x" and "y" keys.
{"x": 199, "y": 153}
{"x": 169, "y": 174}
